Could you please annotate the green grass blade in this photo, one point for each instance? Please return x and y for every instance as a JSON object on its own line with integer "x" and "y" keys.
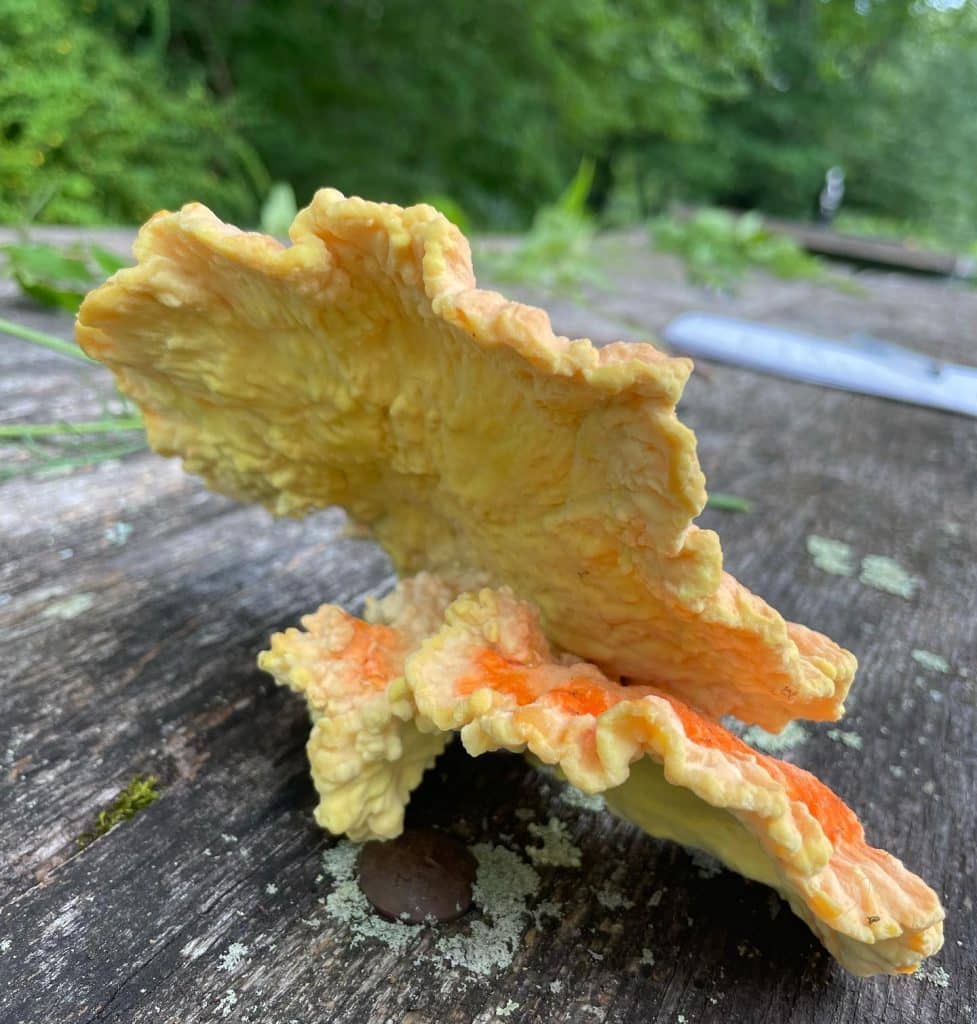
{"x": 72, "y": 461}
{"x": 107, "y": 426}
{"x": 65, "y": 348}
{"x": 728, "y": 502}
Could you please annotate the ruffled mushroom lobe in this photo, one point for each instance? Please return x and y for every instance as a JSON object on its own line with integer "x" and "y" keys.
{"x": 360, "y": 366}
{"x": 490, "y": 673}
{"x": 365, "y": 751}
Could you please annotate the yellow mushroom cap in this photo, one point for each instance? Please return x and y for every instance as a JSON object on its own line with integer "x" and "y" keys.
{"x": 361, "y": 366}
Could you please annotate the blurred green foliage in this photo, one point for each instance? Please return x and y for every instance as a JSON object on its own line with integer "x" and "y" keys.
{"x": 718, "y": 247}
{"x": 112, "y": 108}
{"x": 492, "y": 104}
{"x": 90, "y": 133}
{"x": 883, "y": 88}
{"x": 58, "y": 277}
{"x": 279, "y": 209}
{"x": 555, "y": 253}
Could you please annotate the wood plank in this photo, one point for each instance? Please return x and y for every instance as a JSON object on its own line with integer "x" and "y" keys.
{"x": 879, "y": 252}
{"x": 864, "y": 250}
{"x": 154, "y": 672}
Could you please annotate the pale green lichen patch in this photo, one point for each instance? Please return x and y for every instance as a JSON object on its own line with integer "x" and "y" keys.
{"x": 140, "y": 792}
{"x": 507, "y": 1009}
{"x": 834, "y": 556}
{"x": 227, "y": 1003}
{"x": 504, "y": 883}
{"x": 849, "y": 739}
{"x": 931, "y": 661}
{"x": 611, "y": 898}
{"x": 118, "y": 533}
{"x": 567, "y": 793}
{"x": 232, "y": 958}
{"x": 792, "y": 735}
{"x": 934, "y": 975}
{"x": 557, "y": 850}
{"x": 886, "y": 574}
{"x": 877, "y": 571}
{"x": 705, "y": 864}
{"x": 582, "y": 801}
{"x": 69, "y": 607}
{"x": 547, "y": 908}
{"x": 347, "y": 905}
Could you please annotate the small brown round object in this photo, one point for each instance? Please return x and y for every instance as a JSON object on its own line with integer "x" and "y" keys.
{"x": 420, "y": 874}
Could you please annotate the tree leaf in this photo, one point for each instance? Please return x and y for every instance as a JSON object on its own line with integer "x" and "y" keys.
{"x": 59, "y": 277}
{"x": 106, "y": 260}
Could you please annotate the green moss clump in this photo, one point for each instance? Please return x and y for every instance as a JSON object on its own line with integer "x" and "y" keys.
{"x": 140, "y": 792}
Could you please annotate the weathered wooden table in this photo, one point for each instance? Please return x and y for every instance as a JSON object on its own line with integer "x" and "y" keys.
{"x": 133, "y": 605}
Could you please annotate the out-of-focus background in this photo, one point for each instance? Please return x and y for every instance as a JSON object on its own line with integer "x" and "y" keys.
{"x": 112, "y": 109}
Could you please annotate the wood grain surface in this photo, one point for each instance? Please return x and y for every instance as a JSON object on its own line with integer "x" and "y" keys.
{"x": 130, "y": 651}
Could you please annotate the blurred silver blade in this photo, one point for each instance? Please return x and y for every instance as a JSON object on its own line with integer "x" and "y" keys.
{"x": 863, "y": 364}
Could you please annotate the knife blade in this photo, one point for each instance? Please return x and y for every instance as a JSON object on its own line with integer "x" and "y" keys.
{"x": 863, "y": 364}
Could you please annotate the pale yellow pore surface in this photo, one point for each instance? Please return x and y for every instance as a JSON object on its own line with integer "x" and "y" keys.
{"x": 490, "y": 673}
{"x": 361, "y": 367}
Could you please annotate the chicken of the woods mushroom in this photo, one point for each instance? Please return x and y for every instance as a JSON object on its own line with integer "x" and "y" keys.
{"x": 537, "y": 495}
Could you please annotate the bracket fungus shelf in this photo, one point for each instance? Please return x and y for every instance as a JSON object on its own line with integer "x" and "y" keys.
{"x": 537, "y": 495}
